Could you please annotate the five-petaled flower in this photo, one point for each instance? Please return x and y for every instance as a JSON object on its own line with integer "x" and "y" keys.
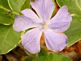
{"x": 41, "y": 21}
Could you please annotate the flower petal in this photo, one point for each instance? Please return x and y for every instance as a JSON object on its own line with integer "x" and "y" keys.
{"x": 31, "y": 40}
{"x": 55, "y": 41}
{"x": 44, "y": 8}
{"x": 22, "y": 23}
{"x": 62, "y": 20}
{"x": 30, "y": 14}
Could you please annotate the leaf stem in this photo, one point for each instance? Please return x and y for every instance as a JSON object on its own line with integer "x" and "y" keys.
{"x": 1, "y": 7}
{"x": 13, "y": 12}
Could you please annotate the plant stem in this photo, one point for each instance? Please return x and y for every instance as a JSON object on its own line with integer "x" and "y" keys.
{"x": 1, "y": 7}
{"x": 5, "y": 9}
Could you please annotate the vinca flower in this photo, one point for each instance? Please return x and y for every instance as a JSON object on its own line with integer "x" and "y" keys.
{"x": 41, "y": 21}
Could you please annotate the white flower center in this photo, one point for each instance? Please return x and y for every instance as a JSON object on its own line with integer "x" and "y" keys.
{"x": 44, "y": 26}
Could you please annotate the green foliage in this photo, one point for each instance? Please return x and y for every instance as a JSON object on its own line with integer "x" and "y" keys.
{"x": 4, "y": 3}
{"x": 16, "y": 5}
{"x": 45, "y": 56}
{"x": 9, "y": 39}
{"x": 74, "y": 32}
{"x": 49, "y": 57}
{"x": 26, "y": 5}
{"x": 5, "y": 19}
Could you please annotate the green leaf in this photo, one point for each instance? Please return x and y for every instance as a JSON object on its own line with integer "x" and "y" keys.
{"x": 26, "y": 4}
{"x": 4, "y": 3}
{"x": 74, "y": 32}
{"x": 16, "y": 5}
{"x": 9, "y": 39}
{"x": 5, "y": 19}
{"x": 52, "y": 57}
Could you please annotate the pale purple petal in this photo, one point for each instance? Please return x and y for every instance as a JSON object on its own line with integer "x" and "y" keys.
{"x": 44, "y": 8}
{"x": 30, "y": 14}
{"x": 61, "y": 21}
{"x": 31, "y": 40}
{"x": 22, "y": 23}
{"x": 55, "y": 41}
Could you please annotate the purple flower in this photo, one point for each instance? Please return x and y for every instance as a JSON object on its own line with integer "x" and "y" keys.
{"x": 41, "y": 22}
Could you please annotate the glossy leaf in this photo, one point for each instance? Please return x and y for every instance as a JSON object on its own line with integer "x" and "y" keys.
{"x": 4, "y": 3}
{"x": 74, "y": 32}
{"x": 5, "y": 19}
{"x": 16, "y": 5}
{"x": 9, "y": 39}
{"x": 26, "y": 4}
